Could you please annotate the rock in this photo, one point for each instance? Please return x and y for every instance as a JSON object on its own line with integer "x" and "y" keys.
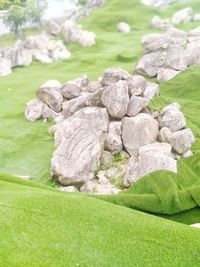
{"x": 136, "y": 104}
{"x": 73, "y": 105}
{"x": 71, "y": 90}
{"x": 106, "y": 158}
{"x": 136, "y": 85}
{"x": 74, "y": 164}
{"x": 113, "y": 75}
{"x": 34, "y": 110}
{"x": 95, "y": 98}
{"x": 159, "y": 23}
{"x": 123, "y": 27}
{"x": 172, "y": 107}
{"x": 152, "y": 158}
{"x": 188, "y": 154}
{"x": 51, "y": 84}
{"x": 60, "y": 53}
{"x": 196, "y": 225}
{"x": 164, "y": 75}
{"x": 182, "y": 16}
{"x": 113, "y": 143}
{"x": 115, "y": 127}
{"x": 20, "y": 57}
{"x": 158, "y": 42}
{"x": 53, "y": 27}
{"x": 44, "y": 59}
{"x": 69, "y": 189}
{"x": 5, "y": 67}
{"x": 51, "y": 96}
{"x": 93, "y": 87}
{"x": 196, "y": 17}
{"x": 115, "y": 98}
{"x": 164, "y": 135}
{"x": 181, "y": 141}
{"x": 138, "y": 131}
{"x": 151, "y": 91}
{"x": 99, "y": 189}
{"x": 174, "y": 120}
{"x": 97, "y": 118}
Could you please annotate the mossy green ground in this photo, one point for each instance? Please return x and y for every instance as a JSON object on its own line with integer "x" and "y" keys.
{"x": 42, "y": 227}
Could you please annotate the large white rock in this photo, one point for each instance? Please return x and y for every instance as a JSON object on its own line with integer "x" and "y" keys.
{"x": 113, "y": 75}
{"x": 115, "y": 127}
{"x": 71, "y": 106}
{"x": 182, "y": 141}
{"x": 171, "y": 107}
{"x": 77, "y": 157}
{"x": 97, "y": 118}
{"x": 113, "y": 143}
{"x": 152, "y": 90}
{"x": 174, "y": 120}
{"x": 5, "y": 67}
{"x": 164, "y": 75}
{"x": 153, "y": 157}
{"x": 123, "y": 27}
{"x": 136, "y": 85}
{"x": 182, "y": 16}
{"x": 164, "y": 135}
{"x": 115, "y": 98}
{"x": 71, "y": 90}
{"x": 136, "y": 104}
{"x": 51, "y": 96}
{"x": 138, "y": 131}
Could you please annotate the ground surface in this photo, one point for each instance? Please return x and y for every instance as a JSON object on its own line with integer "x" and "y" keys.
{"x": 42, "y": 227}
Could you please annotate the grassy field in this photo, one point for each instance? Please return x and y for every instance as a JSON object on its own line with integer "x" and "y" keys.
{"x": 42, "y": 227}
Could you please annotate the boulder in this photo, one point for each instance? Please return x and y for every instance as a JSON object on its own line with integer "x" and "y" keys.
{"x": 138, "y": 131}
{"x": 71, "y": 90}
{"x": 94, "y": 99}
{"x": 159, "y": 23}
{"x": 51, "y": 96}
{"x": 182, "y": 16}
{"x": 51, "y": 84}
{"x": 174, "y": 120}
{"x": 164, "y": 135}
{"x": 106, "y": 157}
{"x": 71, "y": 106}
{"x": 181, "y": 141}
{"x": 113, "y": 75}
{"x": 123, "y": 27}
{"x": 5, "y": 67}
{"x": 136, "y": 104}
{"x": 97, "y": 118}
{"x": 113, "y": 143}
{"x": 151, "y": 91}
{"x": 53, "y": 27}
{"x": 68, "y": 189}
{"x": 74, "y": 164}
{"x": 93, "y": 87}
{"x": 115, "y": 98}
{"x": 164, "y": 75}
{"x": 92, "y": 187}
{"x": 115, "y": 127}
{"x": 172, "y": 107}
{"x": 136, "y": 85}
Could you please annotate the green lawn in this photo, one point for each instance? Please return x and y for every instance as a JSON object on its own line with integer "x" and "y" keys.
{"x": 42, "y": 227}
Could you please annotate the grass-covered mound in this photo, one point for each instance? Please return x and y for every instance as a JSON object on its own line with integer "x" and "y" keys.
{"x": 42, "y": 227}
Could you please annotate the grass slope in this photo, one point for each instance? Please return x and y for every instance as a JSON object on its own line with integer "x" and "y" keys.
{"x": 42, "y": 227}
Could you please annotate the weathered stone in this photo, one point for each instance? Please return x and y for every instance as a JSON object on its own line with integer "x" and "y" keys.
{"x": 71, "y": 90}
{"x": 106, "y": 158}
{"x": 5, "y": 67}
{"x": 113, "y": 143}
{"x": 182, "y": 16}
{"x": 172, "y": 107}
{"x": 52, "y": 97}
{"x": 181, "y": 141}
{"x": 164, "y": 135}
{"x": 174, "y": 120}
{"x": 53, "y": 27}
{"x": 136, "y": 85}
{"x": 159, "y": 23}
{"x": 99, "y": 189}
{"x": 97, "y": 118}
{"x": 115, "y": 127}
{"x": 51, "y": 84}
{"x": 136, "y": 104}
{"x": 68, "y": 189}
{"x": 151, "y": 91}
{"x": 138, "y": 131}
{"x": 77, "y": 157}
{"x": 95, "y": 98}
{"x": 71, "y": 106}
{"x": 115, "y": 98}
{"x": 114, "y": 75}
{"x": 123, "y": 27}
{"x": 94, "y": 87}
{"x": 164, "y": 75}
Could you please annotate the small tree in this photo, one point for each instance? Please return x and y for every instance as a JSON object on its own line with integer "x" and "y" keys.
{"x": 16, "y": 17}
{"x": 35, "y": 11}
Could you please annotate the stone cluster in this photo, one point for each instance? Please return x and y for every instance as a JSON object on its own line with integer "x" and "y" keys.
{"x": 106, "y": 136}
{"x": 41, "y": 48}
{"x": 168, "y": 53}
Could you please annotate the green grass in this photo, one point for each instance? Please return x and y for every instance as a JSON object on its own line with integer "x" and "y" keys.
{"x": 40, "y": 226}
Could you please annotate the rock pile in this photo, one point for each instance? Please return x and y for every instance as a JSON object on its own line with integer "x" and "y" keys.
{"x": 182, "y": 16}
{"x": 161, "y": 3}
{"x": 106, "y": 136}
{"x": 167, "y": 54}
{"x": 41, "y": 48}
